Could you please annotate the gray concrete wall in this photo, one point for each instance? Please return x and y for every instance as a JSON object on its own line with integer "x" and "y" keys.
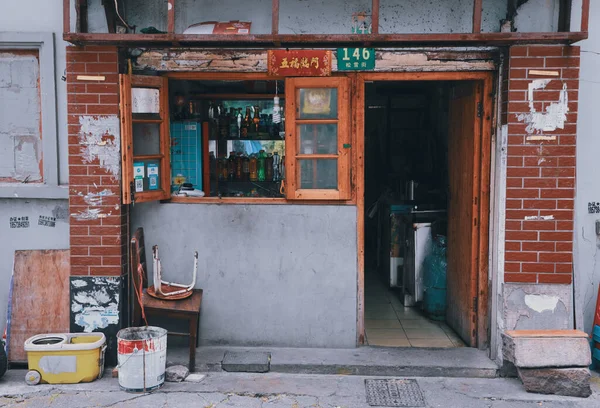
{"x": 587, "y": 243}
{"x": 34, "y": 236}
{"x": 537, "y": 307}
{"x": 280, "y": 275}
{"x": 36, "y": 16}
{"x": 334, "y": 16}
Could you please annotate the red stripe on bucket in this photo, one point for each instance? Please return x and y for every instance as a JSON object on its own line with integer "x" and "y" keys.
{"x": 132, "y": 346}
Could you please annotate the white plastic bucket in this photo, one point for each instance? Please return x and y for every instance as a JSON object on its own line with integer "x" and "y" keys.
{"x": 142, "y": 355}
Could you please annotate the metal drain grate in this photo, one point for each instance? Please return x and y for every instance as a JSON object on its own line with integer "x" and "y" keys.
{"x": 394, "y": 393}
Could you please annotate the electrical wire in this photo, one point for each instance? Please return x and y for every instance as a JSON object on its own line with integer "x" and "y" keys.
{"x": 119, "y": 15}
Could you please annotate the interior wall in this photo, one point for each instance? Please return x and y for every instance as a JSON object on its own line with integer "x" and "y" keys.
{"x": 334, "y": 16}
{"x": 272, "y": 275}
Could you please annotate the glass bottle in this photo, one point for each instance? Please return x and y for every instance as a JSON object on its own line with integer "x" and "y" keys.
{"x": 223, "y": 122}
{"x": 233, "y": 129}
{"x": 212, "y": 165}
{"x": 238, "y": 166}
{"x": 247, "y": 122}
{"x": 252, "y": 167}
{"x": 245, "y": 168}
{"x": 269, "y": 167}
{"x": 276, "y": 162}
{"x": 282, "y": 125}
{"x": 224, "y": 171}
{"x": 261, "y": 165}
{"x": 231, "y": 166}
{"x": 256, "y": 120}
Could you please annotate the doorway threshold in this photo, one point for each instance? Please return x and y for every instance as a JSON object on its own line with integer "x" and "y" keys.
{"x": 365, "y": 361}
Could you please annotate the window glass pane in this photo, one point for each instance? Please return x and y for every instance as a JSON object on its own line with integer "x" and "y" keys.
{"x": 146, "y": 175}
{"x": 145, "y": 100}
{"x": 317, "y": 139}
{"x": 146, "y": 139}
{"x": 318, "y": 173}
{"x": 317, "y": 103}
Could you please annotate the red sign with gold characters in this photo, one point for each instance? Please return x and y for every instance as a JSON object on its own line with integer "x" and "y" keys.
{"x": 300, "y": 63}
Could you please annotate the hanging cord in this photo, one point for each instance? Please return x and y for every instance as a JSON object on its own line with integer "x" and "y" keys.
{"x": 121, "y": 18}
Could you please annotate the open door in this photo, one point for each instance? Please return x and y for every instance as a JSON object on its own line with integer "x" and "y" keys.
{"x": 145, "y": 142}
{"x": 464, "y": 148}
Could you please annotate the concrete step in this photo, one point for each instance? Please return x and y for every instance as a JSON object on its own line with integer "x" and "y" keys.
{"x": 366, "y": 361}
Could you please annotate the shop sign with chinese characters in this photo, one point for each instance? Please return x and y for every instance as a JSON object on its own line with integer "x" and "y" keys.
{"x": 356, "y": 59}
{"x": 299, "y": 63}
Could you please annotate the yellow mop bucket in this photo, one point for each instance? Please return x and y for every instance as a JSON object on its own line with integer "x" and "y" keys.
{"x": 68, "y": 358}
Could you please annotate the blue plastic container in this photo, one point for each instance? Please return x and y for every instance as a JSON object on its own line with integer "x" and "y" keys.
{"x": 434, "y": 303}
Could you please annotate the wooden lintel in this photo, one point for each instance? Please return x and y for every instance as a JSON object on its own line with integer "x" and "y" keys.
{"x": 375, "y": 17}
{"x": 477, "y": 11}
{"x": 275, "y": 17}
{"x": 291, "y": 40}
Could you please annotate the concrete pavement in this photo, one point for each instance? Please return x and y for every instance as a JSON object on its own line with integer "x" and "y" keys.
{"x": 279, "y": 390}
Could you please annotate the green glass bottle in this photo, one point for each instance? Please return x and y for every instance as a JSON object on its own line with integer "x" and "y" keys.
{"x": 262, "y": 156}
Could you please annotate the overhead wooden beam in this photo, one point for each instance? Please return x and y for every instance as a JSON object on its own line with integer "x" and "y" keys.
{"x": 375, "y": 17}
{"x": 275, "y": 17}
{"x": 171, "y": 17}
{"x": 585, "y": 16}
{"x": 325, "y": 40}
{"x": 477, "y": 11}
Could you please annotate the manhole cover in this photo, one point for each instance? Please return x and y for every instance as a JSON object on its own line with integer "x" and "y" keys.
{"x": 394, "y": 393}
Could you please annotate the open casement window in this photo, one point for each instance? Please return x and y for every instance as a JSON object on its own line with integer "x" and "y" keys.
{"x": 318, "y": 139}
{"x": 145, "y": 143}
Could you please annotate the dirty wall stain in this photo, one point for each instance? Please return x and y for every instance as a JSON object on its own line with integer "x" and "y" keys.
{"x": 99, "y": 137}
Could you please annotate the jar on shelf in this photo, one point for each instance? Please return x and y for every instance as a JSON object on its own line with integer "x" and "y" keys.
{"x": 252, "y": 167}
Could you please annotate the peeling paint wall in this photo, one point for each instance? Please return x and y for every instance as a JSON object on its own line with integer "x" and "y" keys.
{"x": 537, "y": 307}
{"x": 44, "y": 16}
{"x": 28, "y": 224}
{"x": 587, "y": 242}
{"x": 20, "y": 117}
{"x": 334, "y": 16}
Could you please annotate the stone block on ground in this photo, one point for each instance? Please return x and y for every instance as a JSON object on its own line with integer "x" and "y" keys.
{"x": 176, "y": 373}
{"x": 546, "y": 348}
{"x": 571, "y": 382}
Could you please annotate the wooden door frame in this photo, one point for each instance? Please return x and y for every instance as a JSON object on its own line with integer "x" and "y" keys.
{"x": 358, "y": 126}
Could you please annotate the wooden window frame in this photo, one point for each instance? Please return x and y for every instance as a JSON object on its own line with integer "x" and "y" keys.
{"x": 128, "y": 82}
{"x": 344, "y": 153}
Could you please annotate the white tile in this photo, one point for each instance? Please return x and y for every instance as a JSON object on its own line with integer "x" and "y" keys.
{"x": 386, "y": 334}
{"x": 382, "y": 324}
{"x": 426, "y": 333}
{"x": 444, "y": 343}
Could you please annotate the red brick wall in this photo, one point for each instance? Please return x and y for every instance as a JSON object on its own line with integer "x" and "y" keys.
{"x": 97, "y": 247}
{"x": 540, "y": 180}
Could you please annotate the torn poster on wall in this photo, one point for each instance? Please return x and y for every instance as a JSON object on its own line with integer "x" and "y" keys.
{"x": 555, "y": 115}
{"x": 94, "y": 302}
{"x": 95, "y": 307}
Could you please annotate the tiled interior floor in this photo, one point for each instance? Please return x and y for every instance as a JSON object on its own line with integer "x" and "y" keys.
{"x": 388, "y": 323}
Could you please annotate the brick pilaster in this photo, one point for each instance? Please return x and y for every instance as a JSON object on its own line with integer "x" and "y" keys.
{"x": 98, "y": 222}
{"x": 541, "y": 166}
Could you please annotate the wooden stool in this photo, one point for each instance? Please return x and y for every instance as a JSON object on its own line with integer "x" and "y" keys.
{"x": 184, "y": 309}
